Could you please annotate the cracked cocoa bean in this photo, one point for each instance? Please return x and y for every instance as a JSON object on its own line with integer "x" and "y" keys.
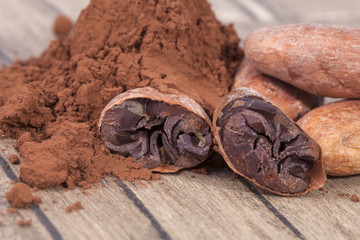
{"x": 259, "y": 142}
{"x": 163, "y": 132}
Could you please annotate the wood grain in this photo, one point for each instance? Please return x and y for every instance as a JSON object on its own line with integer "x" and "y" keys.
{"x": 184, "y": 205}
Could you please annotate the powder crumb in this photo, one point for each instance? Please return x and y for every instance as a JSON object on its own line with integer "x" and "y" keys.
{"x": 355, "y": 198}
{"x": 37, "y": 200}
{"x": 12, "y": 182}
{"x": 1, "y": 222}
{"x": 53, "y": 201}
{"x": 3, "y": 149}
{"x": 75, "y": 207}
{"x": 35, "y": 189}
{"x": 45, "y": 209}
{"x": 62, "y": 26}
{"x": 1, "y": 133}
{"x": 25, "y": 223}
{"x": 14, "y": 159}
{"x": 200, "y": 171}
{"x": 11, "y": 210}
{"x": 20, "y": 195}
{"x": 193, "y": 176}
{"x": 68, "y": 209}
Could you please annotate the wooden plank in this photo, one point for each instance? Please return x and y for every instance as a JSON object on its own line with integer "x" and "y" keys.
{"x": 214, "y": 206}
{"x": 324, "y": 214}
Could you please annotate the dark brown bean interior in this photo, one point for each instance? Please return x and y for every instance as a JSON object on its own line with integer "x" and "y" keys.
{"x": 265, "y": 145}
{"x": 155, "y": 133}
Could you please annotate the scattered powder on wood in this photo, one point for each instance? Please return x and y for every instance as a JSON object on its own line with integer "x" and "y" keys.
{"x": 11, "y": 210}
{"x": 24, "y": 223}
{"x": 37, "y": 200}
{"x": 355, "y": 198}
{"x": 68, "y": 209}
{"x": 200, "y": 171}
{"x": 344, "y": 195}
{"x": 76, "y": 206}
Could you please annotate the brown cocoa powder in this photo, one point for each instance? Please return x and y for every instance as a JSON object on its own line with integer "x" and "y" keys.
{"x": 14, "y": 159}
{"x": 75, "y": 207}
{"x": 355, "y": 198}
{"x": 20, "y": 196}
{"x": 11, "y": 210}
{"x": 24, "y": 223}
{"x": 52, "y": 103}
{"x": 62, "y": 25}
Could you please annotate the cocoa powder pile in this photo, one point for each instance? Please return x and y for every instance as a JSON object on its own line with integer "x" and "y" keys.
{"x": 52, "y": 103}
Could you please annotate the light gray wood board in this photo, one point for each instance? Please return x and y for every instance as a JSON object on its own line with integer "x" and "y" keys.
{"x": 214, "y": 206}
{"x": 324, "y": 215}
{"x": 249, "y": 15}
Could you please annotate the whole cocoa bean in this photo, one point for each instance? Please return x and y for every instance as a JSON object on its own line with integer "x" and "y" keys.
{"x": 320, "y": 59}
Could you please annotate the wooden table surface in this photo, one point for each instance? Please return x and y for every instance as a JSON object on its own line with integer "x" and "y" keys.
{"x": 184, "y": 205}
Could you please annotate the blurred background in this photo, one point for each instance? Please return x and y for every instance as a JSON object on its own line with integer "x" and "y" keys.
{"x": 36, "y": 18}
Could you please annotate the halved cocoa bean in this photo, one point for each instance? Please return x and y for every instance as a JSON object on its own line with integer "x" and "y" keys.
{"x": 259, "y": 142}
{"x": 164, "y": 132}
